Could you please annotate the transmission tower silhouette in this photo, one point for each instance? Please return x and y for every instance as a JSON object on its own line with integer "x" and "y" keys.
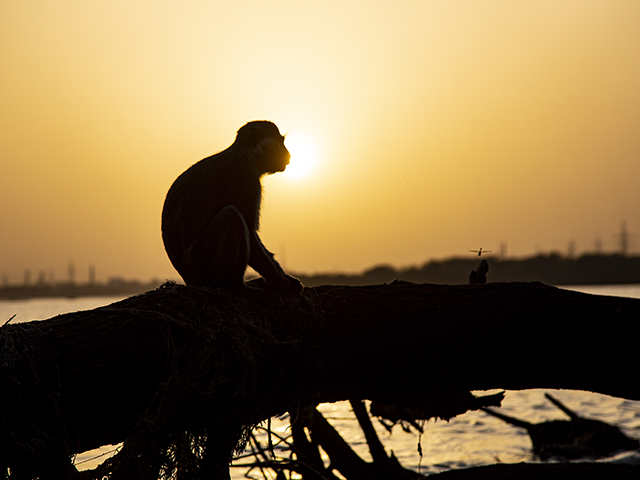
{"x": 624, "y": 238}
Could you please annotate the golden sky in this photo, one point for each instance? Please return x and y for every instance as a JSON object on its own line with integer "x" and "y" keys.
{"x": 435, "y": 126}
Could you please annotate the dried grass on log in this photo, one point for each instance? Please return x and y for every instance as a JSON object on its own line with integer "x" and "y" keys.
{"x": 211, "y": 392}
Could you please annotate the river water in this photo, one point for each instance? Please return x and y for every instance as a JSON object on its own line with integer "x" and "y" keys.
{"x": 472, "y": 439}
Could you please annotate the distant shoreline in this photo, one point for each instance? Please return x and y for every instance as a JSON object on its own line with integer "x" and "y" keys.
{"x": 73, "y": 290}
{"x": 552, "y": 269}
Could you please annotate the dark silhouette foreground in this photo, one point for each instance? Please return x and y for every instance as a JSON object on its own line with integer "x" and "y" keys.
{"x": 181, "y": 374}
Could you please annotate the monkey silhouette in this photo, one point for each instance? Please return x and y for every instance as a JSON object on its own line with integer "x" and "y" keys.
{"x": 211, "y": 216}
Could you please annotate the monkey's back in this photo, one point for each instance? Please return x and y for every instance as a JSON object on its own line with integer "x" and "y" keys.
{"x": 198, "y": 195}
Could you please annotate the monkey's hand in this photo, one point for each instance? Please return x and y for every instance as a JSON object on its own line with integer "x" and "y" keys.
{"x": 294, "y": 285}
{"x": 284, "y": 285}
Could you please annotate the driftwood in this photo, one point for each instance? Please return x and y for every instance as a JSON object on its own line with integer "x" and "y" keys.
{"x": 570, "y": 439}
{"x": 180, "y": 374}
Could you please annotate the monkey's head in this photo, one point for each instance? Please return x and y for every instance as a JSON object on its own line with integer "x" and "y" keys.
{"x": 266, "y": 145}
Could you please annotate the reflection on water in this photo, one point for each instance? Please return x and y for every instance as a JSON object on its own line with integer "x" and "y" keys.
{"x": 44, "y": 308}
{"x": 477, "y": 438}
{"x": 474, "y": 438}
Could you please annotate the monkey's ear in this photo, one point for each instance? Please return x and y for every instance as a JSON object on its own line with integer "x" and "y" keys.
{"x": 251, "y": 136}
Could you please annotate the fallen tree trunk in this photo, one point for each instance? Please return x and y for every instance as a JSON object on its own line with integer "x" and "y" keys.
{"x": 476, "y": 337}
{"x": 184, "y": 359}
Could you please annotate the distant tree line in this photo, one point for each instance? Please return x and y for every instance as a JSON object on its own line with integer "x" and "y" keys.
{"x": 552, "y": 269}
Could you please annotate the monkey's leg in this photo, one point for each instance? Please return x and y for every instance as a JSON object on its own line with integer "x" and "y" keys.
{"x": 221, "y": 257}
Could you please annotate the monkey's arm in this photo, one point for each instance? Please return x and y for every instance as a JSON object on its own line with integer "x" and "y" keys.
{"x": 262, "y": 261}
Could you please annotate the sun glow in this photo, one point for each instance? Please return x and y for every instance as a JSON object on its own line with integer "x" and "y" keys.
{"x": 304, "y": 155}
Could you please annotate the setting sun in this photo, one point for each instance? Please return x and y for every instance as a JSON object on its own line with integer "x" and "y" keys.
{"x": 304, "y": 155}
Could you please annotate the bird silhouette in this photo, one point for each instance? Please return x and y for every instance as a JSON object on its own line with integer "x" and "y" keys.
{"x": 480, "y": 252}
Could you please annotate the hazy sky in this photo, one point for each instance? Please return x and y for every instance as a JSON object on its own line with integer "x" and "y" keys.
{"x": 430, "y": 127}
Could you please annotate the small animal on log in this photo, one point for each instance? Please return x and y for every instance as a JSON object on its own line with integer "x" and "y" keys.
{"x": 211, "y": 215}
{"x": 480, "y": 275}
